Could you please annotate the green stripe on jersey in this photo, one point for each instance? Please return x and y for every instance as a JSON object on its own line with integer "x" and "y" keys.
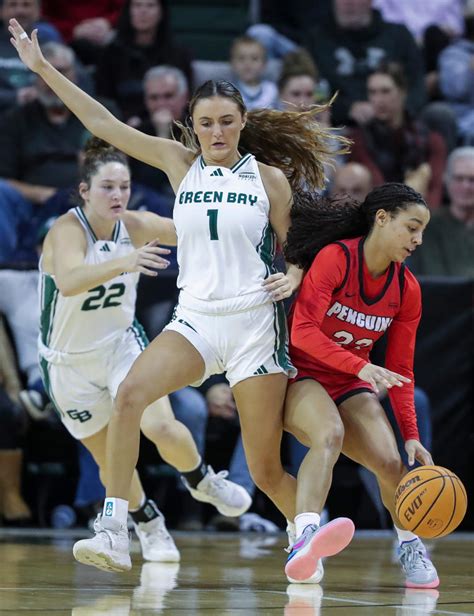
{"x": 240, "y": 163}
{"x": 116, "y": 231}
{"x": 266, "y": 247}
{"x": 82, "y": 216}
{"x": 49, "y": 298}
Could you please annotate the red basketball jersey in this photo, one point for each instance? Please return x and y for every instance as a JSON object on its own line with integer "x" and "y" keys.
{"x": 341, "y": 311}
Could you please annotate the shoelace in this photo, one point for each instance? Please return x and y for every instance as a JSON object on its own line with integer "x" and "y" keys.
{"x": 413, "y": 558}
{"x": 217, "y": 480}
{"x": 98, "y": 528}
{"x": 158, "y": 533}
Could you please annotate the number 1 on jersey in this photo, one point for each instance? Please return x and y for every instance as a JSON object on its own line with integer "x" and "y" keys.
{"x": 213, "y": 224}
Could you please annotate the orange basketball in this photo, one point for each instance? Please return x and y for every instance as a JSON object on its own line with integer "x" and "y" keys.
{"x": 430, "y": 501}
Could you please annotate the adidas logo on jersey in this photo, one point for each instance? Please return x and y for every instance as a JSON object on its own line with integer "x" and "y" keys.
{"x": 217, "y": 172}
{"x": 105, "y": 248}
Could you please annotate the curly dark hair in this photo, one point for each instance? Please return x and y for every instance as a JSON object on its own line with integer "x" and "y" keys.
{"x": 317, "y": 221}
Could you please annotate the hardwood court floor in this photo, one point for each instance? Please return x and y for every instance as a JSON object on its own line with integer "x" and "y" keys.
{"x": 227, "y": 574}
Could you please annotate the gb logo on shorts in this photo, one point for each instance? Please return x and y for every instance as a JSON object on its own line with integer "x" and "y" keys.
{"x": 82, "y": 416}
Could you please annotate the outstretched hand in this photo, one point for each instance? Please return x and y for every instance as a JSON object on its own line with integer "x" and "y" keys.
{"x": 146, "y": 260}
{"x": 28, "y": 48}
{"x": 380, "y": 377}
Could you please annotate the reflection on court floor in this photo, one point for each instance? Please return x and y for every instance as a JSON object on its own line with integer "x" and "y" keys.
{"x": 226, "y": 574}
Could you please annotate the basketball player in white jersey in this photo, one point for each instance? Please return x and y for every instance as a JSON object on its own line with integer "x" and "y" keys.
{"x": 89, "y": 338}
{"x": 230, "y": 212}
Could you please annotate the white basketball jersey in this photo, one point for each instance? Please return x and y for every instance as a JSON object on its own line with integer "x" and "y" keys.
{"x": 225, "y": 242}
{"x": 89, "y": 320}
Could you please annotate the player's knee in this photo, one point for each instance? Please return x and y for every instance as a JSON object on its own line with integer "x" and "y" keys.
{"x": 158, "y": 431}
{"x": 331, "y": 437}
{"x": 266, "y": 476}
{"x": 390, "y": 468}
{"x": 130, "y": 401}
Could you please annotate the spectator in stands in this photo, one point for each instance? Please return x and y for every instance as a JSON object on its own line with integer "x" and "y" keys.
{"x": 300, "y": 88}
{"x": 352, "y": 179}
{"x": 418, "y": 16}
{"x": 39, "y": 144}
{"x": 433, "y": 25}
{"x": 281, "y": 24}
{"x": 86, "y": 25}
{"x": 19, "y": 305}
{"x": 248, "y": 60}
{"x": 448, "y": 243}
{"x": 143, "y": 40}
{"x": 393, "y": 145}
{"x": 166, "y": 97}
{"x": 456, "y": 80}
{"x": 17, "y": 83}
{"x": 353, "y": 42}
{"x": 13, "y": 508}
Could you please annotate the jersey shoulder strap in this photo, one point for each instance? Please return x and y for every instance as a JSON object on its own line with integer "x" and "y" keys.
{"x": 401, "y": 279}
{"x": 348, "y": 265}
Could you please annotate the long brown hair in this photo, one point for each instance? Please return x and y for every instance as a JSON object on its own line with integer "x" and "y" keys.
{"x": 293, "y": 141}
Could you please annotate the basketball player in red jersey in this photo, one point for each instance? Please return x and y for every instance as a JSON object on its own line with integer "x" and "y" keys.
{"x": 355, "y": 289}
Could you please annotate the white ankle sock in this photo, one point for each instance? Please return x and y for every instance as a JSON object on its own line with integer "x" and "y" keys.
{"x": 302, "y": 520}
{"x": 291, "y": 527}
{"x": 405, "y": 535}
{"x": 116, "y": 508}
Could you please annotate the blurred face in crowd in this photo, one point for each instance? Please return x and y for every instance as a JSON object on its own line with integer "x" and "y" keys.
{"x": 145, "y": 15}
{"x": 64, "y": 64}
{"x": 26, "y": 11}
{"x": 298, "y": 93}
{"x": 352, "y": 179}
{"x": 248, "y": 62}
{"x": 460, "y": 187}
{"x": 162, "y": 93}
{"x": 387, "y": 98}
{"x": 353, "y": 14}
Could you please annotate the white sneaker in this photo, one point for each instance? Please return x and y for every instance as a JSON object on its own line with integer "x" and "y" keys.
{"x": 418, "y": 569}
{"x": 317, "y": 575}
{"x": 227, "y": 497}
{"x": 109, "y": 549}
{"x": 156, "y": 542}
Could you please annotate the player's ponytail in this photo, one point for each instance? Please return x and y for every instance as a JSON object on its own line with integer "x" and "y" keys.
{"x": 317, "y": 221}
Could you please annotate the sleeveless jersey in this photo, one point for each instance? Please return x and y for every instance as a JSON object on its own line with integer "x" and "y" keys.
{"x": 90, "y": 320}
{"x": 226, "y": 245}
{"x": 353, "y": 319}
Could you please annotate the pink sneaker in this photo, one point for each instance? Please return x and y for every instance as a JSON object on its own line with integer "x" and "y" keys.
{"x": 316, "y": 543}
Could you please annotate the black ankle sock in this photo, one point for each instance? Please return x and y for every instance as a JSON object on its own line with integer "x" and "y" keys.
{"x": 195, "y": 476}
{"x": 148, "y": 511}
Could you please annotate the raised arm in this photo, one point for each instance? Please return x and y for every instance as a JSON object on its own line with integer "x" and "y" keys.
{"x": 170, "y": 156}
